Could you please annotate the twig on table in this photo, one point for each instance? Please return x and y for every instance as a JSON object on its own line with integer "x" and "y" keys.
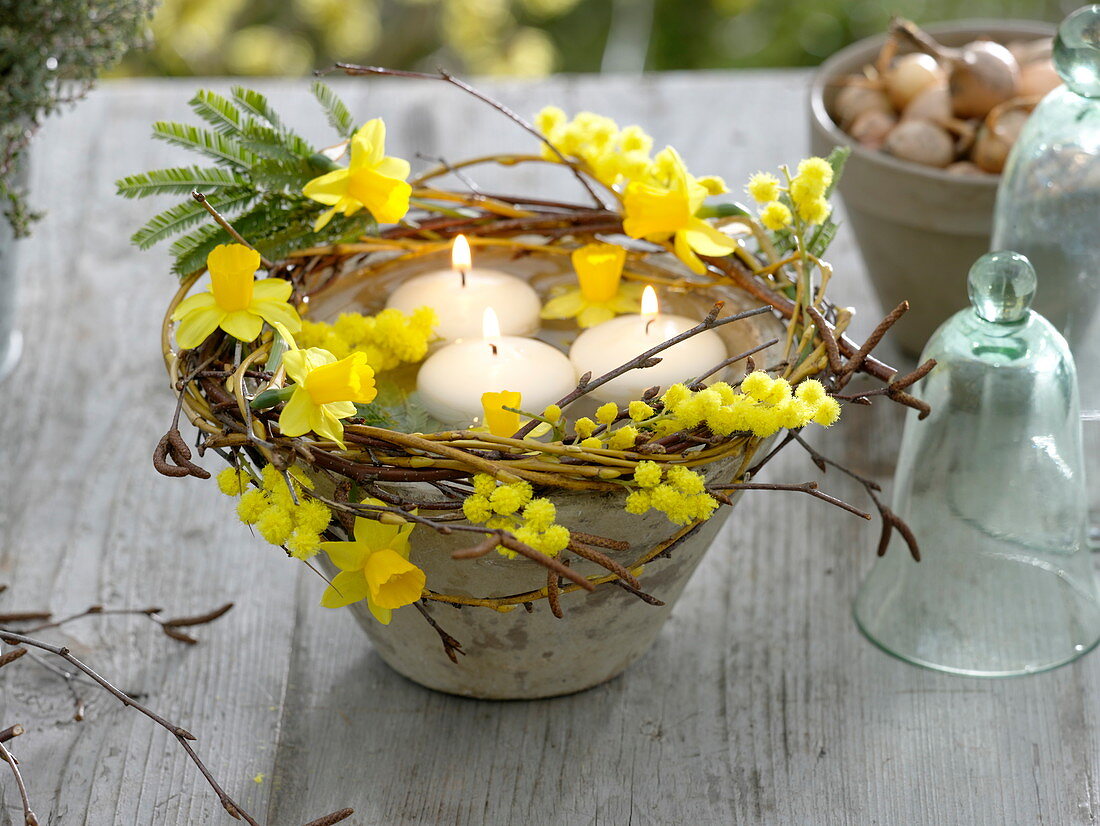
{"x": 29, "y": 817}
{"x": 11, "y": 732}
{"x": 447, "y": 77}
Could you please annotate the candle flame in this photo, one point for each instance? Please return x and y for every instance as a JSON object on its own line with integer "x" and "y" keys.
{"x": 490, "y": 325}
{"x": 460, "y": 254}
{"x": 650, "y": 307}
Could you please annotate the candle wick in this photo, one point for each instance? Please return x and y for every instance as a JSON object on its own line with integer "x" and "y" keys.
{"x": 462, "y": 275}
{"x": 493, "y": 347}
{"x": 648, "y": 324}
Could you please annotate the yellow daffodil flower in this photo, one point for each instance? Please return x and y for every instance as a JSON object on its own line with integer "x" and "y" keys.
{"x": 325, "y": 392}
{"x": 236, "y": 301}
{"x": 657, "y": 213}
{"x": 371, "y": 181}
{"x": 601, "y": 295}
{"x": 375, "y": 567}
{"x": 501, "y": 422}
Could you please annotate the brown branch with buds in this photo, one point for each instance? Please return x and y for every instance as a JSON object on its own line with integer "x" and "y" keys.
{"x": 22, "y": 642}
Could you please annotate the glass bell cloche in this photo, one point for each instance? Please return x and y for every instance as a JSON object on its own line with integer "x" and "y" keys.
{"x": 992, "y": 484}
{"x": 1048, "y": 201}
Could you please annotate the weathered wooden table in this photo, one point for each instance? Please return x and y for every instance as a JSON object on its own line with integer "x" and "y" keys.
{"x": 761, "y": 703}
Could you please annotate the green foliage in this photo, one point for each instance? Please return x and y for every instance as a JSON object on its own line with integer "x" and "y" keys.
{"x": 260, "y": 168}
{"x": 50, "y": 55}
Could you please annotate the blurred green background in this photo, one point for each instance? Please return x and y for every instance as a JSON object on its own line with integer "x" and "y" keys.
{"x": 528, "y": 37}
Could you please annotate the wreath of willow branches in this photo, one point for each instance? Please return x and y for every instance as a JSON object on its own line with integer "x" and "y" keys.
{"x": 254, "y": 196}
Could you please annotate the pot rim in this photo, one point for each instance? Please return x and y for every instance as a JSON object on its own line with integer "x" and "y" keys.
{"x": 830, "y": 69}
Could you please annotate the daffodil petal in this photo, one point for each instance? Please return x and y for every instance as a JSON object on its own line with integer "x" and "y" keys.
{"x": 329, "y": 188}
{"x": 707, "y": 240}
{"x": 296, "y": 417}
{"x": 347, "y": 587}
{"x": 326, "y": 425}
{"x": 687, "y": 255}
{"x": 564, "y": 306}
{"x": 323, "y": 219}
{"x": 383, "y": 615}
{"x": 271, "y": 289}
{"x": 198, "y": 301}
{"x": 595, "y": 314}
{"x": 299, "y": 363}
{"x": 242, "y": 324}
{"x": 394, "y": 168}
{"x": 368, "y": 145}
{"x": 347, "y": 556}
{"x": 374, "y": 534}
{"x": 277, "y": 311}
{"x": 197, "y": 325}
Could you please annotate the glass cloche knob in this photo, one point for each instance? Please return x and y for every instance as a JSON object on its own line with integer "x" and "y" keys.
{"x": 1077, "y": 51}
{"x": 1001, "y": 286}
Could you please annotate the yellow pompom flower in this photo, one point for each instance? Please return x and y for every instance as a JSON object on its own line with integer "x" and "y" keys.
{"x": 550, "y": 119}
{"x": 539, "y": 513}
{"x": 601, "y": 295}
{"x": 312, "y": 516}
{"x": 638, "y": 502}
{"x": 326, "y": 391}
{"x": 775, "y": 216}
{"x": 552, "y": 414}
{"x": 591, "y": 442}
{"x": 303, "y": 544}
{"x": 814, "y": 211}
{"x": 501, "y": 422}
{"x": 676, "y": 395}
{"x": 657, "y": 213}
{"x": 236, "y": 301}
{"x": 763, "y": 187}
{"x": 375, "y": 567}
{"x": 757, "y": 384}
{"x": 584, "y": 427}
{"x": 814, "y": 175}
{"x": 639, "y": 411}
{"x": 507, "y": 499}
{"x": 607, "y": 413}
{"x": 251, "y": 507}
{"x": 275, "y": 524}
{"x": 624, "y": 438}
{"x": 647, "y": 474}
{"x": 371, "y": 181}
{"x": 233, "y": 481}
{"x": 827, "y": 413}
{"x": 476, "y": 507}
{"x": 810, "y": 391}
{"x": 484, "y": 484}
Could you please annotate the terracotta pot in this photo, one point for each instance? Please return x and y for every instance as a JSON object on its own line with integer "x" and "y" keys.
{"x": 919, "y": 228}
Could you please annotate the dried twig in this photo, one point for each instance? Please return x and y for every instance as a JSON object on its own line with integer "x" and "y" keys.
{"x": 29, "y": 817}
{"x": 447, "y": 77}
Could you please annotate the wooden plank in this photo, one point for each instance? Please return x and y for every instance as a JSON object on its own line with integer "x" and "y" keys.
{"x": 759, "y": 704}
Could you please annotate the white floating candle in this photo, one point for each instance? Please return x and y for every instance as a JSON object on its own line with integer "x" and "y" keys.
{"x": 461, "y": 295}
{"x": 604, "y": 347}
{"x": 453, "y": 379}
